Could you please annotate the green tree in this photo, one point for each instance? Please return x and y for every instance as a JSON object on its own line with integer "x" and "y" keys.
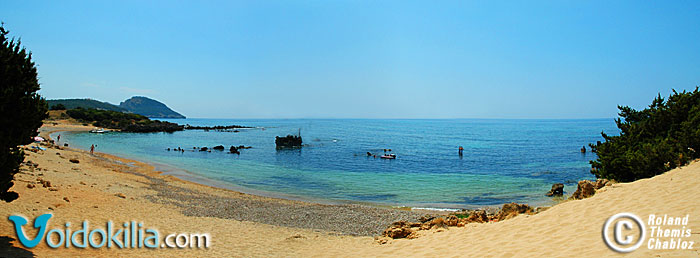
{"x": 652, "y": 141}
{"x": 58, "y": 107}
{"x": 21, "y": 108}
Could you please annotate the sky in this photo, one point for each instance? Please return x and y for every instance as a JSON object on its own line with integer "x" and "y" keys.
{"x": 364, "y": 59}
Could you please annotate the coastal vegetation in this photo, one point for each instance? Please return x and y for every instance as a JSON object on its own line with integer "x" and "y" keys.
{"x": 83, "y": 103}
{"x": 22, "y": 109}
{"x": 126, "y": 122}
{"x": 652, "y": 141}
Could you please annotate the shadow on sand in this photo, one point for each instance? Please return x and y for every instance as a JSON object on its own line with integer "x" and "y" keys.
{"x": 7, "y": 250}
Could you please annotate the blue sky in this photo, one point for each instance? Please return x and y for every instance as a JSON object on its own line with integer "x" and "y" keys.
{"x": 364, "y": 59}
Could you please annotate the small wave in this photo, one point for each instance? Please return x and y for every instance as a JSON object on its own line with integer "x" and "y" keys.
{"x": 434, "y": 209}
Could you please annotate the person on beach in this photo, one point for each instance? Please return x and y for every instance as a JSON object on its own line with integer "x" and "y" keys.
{"x": 92, "y": 149}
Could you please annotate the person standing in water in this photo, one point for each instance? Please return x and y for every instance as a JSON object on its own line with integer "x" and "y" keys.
{"x": 92, "y": 149}
{"x": 58, "y": 139}
{"x": 461, "y": 149}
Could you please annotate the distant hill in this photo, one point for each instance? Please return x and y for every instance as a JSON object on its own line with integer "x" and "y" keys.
{"x": 86, "y": 104}
{"x": 149, "y": 107}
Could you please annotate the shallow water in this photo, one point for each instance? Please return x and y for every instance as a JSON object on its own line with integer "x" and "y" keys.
{"x": 503, "y": 161}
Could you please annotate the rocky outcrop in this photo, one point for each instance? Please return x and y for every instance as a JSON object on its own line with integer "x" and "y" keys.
{"x": 218, "y": 147}
{"x": 510, "y": 210}
{"x": 399, "y": 229}
{"x": 587, "y": 188}
{"x": 600, "y": 183}
{"x": 404, "y": 229}
{"x": 289, "y": 141}
{"x": 557, "y": 190}
{"x": 478, "y": 217}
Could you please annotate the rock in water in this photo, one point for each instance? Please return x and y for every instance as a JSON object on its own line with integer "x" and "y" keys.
{"x": 219, "y": 147}
{"x": 289, "y": 141}
{"x": 557, "y": 190}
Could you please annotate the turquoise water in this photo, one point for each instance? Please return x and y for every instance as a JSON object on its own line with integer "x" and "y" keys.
{"x": 503, "y": 161}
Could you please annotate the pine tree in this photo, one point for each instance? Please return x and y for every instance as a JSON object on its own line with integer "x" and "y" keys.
{"x": 22, "y": 109}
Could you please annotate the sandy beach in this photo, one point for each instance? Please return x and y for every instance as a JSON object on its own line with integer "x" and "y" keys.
{"x": 102, "y": 187}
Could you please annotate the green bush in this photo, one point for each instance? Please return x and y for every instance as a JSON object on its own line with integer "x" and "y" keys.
{"x": 22, "y": 109}
{"x": 652, "y": 141}
{"x": 127, "y": 122}
{"x": 58, "y": 107}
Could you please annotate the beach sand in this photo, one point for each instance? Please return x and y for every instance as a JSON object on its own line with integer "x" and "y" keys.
{"x": 102, "y": 187}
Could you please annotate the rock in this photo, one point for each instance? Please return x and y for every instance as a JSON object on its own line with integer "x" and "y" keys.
{"x": 44, "y": 183}
{"x": 120, "y": 195}
{"x": 425, "y": 219}
{"x": 452, "y": 221}
{"x": 478, "y": 217}
{"x": 82, "y": 183}
{"x": 510, "y": 210}
{"x": 66, "y": 199}
{"x": 381, "y": 240}
{"x": 584, "y": 190}
{"x": 557, "y": 190}
{"x": 219, "y": 148}
{"x": 438, "y": 223}
{"x": 30, "y": 186}
{"x": 53, "y": 189}
{"x": 541, "y": 209}
{"x": 413, "y": 235}
{"x": 203, "y": 149}
{"x": 398, "y": 231}
{"x": 74, "y": 160}
{"x": 600, "y": 183}
{"x": 65, "y": 145}
{"x": 234, "y": 150}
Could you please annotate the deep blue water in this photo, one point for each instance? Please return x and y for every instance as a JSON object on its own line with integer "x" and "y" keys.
{"x": 503, "y": 161}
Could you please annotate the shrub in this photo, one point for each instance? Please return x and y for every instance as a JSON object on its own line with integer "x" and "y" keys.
{"x": 58, "y": 107}
{"x": 652, "y": 141}
{"x": 22, "y": 109}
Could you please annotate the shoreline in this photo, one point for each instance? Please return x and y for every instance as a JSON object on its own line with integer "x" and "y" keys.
{"x": 104, "y": 187}
{"x": 193, "y": 178}
{"x": 435, "y": 207}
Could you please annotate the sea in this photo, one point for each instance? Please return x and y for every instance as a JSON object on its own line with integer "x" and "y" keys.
{"x": 503, "y": 160}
